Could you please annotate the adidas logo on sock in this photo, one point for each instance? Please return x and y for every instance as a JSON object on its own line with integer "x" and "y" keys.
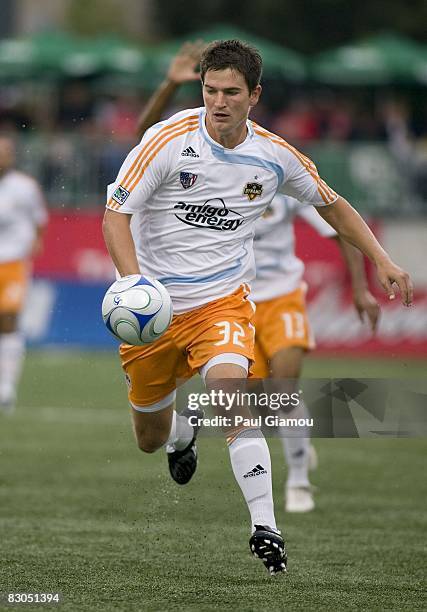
{"x": 256, "y": 471}
{"x": 189, "y": 152}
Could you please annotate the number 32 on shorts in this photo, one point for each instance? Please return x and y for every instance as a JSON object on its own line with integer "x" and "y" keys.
{"x": 231, "y": 332}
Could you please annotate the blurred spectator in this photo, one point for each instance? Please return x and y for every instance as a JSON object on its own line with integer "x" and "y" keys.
{"x": 118, "y": 117}
{"x": 76, "y": 105}
{"x": 298, "y": 122}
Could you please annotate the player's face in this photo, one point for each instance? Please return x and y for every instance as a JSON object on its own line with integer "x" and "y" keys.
{"x": 7, "y": 155}
{"x": 227, "y": 101}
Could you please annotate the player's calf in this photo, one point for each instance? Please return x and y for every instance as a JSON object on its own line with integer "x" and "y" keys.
{"x": 182, "y": 450}
{"x": 152, "y": 429}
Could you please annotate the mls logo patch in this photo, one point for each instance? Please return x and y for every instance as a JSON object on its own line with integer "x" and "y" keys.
{"x": 252, "y": 190}
{"x": 120, "y": 195}
{"x": 187, "y": 179}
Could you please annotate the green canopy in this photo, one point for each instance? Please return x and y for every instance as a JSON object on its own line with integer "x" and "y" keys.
{"x": 386, "y": 58}
{"x": 35, "y": 57}
{"x": 59, "y": 54}
{"x": 105, "y": 55}
{"x": 278, "y": 61}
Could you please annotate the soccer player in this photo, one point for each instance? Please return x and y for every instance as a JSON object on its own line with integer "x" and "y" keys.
{"x": 194, "y": 188}
{"x": 22, "y": 220}
{"x": 282, "y": 335}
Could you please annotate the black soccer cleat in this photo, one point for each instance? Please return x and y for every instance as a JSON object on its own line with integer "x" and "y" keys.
{"x": 183, "y": 463}
{"x": 269, "y": 546}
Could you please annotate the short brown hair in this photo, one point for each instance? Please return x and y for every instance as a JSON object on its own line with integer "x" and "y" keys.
{"x": 234, "y": 54}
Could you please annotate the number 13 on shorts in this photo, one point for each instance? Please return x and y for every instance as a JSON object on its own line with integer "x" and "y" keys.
{"x": 294, "y": 325}
{"x": 233, "y": 333}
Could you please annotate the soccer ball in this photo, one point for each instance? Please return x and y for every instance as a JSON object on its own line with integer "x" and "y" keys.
{"x": 137, "y": 309}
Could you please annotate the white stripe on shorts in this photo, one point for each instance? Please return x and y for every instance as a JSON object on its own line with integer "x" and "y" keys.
{"x": 160, "y": 405}
{"x": 240, "y": 360}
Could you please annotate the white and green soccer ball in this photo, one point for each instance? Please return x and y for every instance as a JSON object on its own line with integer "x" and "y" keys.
{"x": 137, "y": 309}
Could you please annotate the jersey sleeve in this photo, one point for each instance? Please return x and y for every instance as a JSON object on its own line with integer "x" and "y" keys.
{"x": 302, "y": 180}
{"x": 313, "y": 218}
{"x": 142, "y": 172}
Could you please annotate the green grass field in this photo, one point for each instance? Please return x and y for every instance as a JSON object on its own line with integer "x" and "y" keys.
{"x": 84, "y": 513}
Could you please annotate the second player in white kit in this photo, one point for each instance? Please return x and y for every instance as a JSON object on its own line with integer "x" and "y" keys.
{"x": 283, "y": 332}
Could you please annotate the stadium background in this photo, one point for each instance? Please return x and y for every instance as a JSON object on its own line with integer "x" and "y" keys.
{"x": 74, "y": 77}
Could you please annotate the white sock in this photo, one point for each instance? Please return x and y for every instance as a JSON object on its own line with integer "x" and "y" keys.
{"x": 12, "y": 350}
{"x": 181, "y": 433}
{"x": 296, "y": 448}
{"x": 250, "y": 455}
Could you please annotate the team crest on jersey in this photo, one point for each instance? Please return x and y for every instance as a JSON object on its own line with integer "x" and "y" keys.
{"x": 120, "y": 195}
{"x": 187, "y": 179}
{"x": 252, "y": 190}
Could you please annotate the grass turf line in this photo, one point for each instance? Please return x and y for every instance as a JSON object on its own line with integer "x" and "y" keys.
{"x": 83, "y": 512}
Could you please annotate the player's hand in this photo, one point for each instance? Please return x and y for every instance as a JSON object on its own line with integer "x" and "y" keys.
{"x": 389, "y": 274}
{"x": 184, "y": 64}
{"x": 366, "y": 304}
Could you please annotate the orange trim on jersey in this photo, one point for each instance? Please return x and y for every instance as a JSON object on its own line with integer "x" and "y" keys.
{"x": 167, "y": 137}
{"x": 190, "y": 128}
{"x": 164, "y": 130}
{"x": 326, "y": 193}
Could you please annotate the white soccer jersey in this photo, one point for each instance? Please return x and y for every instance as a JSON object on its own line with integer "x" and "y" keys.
{"x": 278, "y": 270}
{"x": 195, "y": 203}
{"x": 22, "y": 210}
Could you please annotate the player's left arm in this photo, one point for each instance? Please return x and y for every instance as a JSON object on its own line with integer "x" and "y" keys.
{"x": 351, "y": 227}
{"x": 364, "y": 301}
{"x": 39, "y": 215}
{"x": 37, "y": 245}
{"x": 183, "y": 68}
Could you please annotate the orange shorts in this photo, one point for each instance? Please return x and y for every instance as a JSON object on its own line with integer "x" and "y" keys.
{"x": 13, "y": 286}
{"x": 195, "y": 337}
{"x": 280, "y": 323}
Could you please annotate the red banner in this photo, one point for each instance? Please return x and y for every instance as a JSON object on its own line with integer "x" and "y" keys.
{"x": 74, "y": 248}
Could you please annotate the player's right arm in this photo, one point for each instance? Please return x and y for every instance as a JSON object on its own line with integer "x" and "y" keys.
{"x": 145, "y": 168}
{"x": 119, "y": 241}
{"x": 141, "y": 173}
{"x": 181, "y": 70}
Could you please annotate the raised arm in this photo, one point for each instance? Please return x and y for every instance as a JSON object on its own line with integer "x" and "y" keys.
{"x": 351, "y": 227}
{"x": 181, "y": 70}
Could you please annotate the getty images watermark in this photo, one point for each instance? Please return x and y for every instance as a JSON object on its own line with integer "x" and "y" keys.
{"x": 237, "y": 401}
{"x": 320, "y": 408}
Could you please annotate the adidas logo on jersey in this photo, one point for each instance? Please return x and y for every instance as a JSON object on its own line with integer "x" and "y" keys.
{"x": 256, "y": 471}
{"x": 189, "y": 152}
